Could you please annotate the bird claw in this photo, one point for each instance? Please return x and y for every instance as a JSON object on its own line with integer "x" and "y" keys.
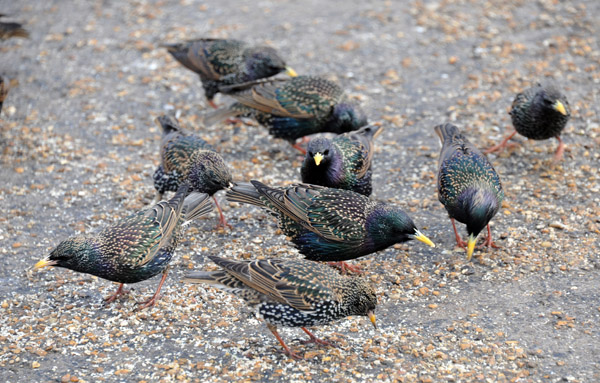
{"x": 318, "y": 341}
{"x": 120, "y": 292}
{"x": 149, "y": 303}
{"x": 292, "y": 354}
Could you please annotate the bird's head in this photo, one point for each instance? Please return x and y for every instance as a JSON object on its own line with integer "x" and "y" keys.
{"x": 69, "y": 253}
{"x": 361, "y": 299}
{"x": 347, "y": 117}
{"x": 479, "y": 205}
{"x": 389, "y": 225}
{"x": 265, "y": 62}
{"x": 208, "y": 172}
{"x": 319, "y": 152}
{"x": 552, "y": 101}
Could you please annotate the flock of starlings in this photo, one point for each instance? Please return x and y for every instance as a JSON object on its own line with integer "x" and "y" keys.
{"x": 329, "y": 217}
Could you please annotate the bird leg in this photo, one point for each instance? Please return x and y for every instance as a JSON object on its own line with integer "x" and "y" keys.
{"x": 299, "y": 148}
{"x": 459, "y": 241}
{"x": 560, "y": 150}
{"x": 314, "y": 339}
{"x": 345, "y": 267}
{"x": 488, "y": 241}
{"x": 286, "y": 349}
{"x": 120, "y": 291}
{"x": 212, "y": 104}
{"x": 222, "y": 222}
{"x": 152, "y": 301}
{"x": 501, "y": 145}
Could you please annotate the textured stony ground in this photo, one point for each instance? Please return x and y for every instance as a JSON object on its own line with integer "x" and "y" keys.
{"x": 79, "y": 145}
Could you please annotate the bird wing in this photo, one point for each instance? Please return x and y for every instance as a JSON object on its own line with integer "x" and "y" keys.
{"x": 297, "y": 283}
{"x": 214, "y": 59}
{"x": 300, "y": 97}
{"x": 334, "y": 214}
{"x": 176, "y": 150}
{"x": 142, "y": 234}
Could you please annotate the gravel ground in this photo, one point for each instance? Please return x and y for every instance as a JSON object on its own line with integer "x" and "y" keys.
{"x": 79, "y": 145}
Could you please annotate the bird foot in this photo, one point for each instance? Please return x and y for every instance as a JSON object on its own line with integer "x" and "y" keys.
{"x": 318, "y": 341}
{"x": 502, "y": 144}
{"x": 149, "y": 303}
{"x": 292, "y": 354}
{"x": 460, "y": 243}
{"x": 212, "y": 104}
{"x": 120, "y": 291}
{"x": 489, "y": 243}
{"x": 345, "y": 267}
{"x": 223, "y": 223}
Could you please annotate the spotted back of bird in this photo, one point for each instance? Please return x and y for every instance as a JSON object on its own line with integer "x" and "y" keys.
{"x": 466, "y": 179}
{"x": 139, "y": 246}
{"x": 296, "y": 107}
{"x": 316, "y": 292}
{"x": 185, "y": 155}
{"x": 540, "y": 112}
{"x": 329, "y": 224}
{"x": 226, "y": 61}
{"x": 344, "y": 161}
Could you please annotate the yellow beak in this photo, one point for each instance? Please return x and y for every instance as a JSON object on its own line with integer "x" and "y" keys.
{"x": 290, "y": 72}
{"x": 421, "y": 237}
{"x": 318, "y": 158}
{"x": 560, "y": 108}
{"x": 372, "y": 318}
{"x": 471, "y": 246}
{"x": 43, "y": 263}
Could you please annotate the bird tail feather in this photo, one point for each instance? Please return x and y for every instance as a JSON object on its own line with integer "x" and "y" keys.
{"x": 244, "y": 192}
{"x": 212, "y": 117}
{"x": 446, "y": 132}
{"x": 167, "y": 123}
{"x": 196, "y": 205}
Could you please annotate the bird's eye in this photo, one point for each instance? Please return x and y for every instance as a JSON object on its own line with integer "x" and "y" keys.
{"x": 310, "y": 153}
{"x": 326, "y": 152}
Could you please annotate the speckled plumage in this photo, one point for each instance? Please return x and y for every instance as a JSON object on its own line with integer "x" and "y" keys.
{"x": 468, "y": 186}
{"x": 187, "y": 157}
{"x": 539, "y": 113}
{"x": 328, "y": 224}
{"x": 533, "y": 113}
{"x": 8, "y": 30}
{"x": 343, "y": 162}
{"x": 291, "y": 292}
{"x": 294, "y": 108}
{"x": 224, "y": 62}
{"x": 138, "y": 247}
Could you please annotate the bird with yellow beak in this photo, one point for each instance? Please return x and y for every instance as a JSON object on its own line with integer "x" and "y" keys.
{"x": 468, "y": 186}
{"x": 539, "y": 113}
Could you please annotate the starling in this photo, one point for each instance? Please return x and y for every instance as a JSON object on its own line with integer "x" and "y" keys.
{"x": 3, "y": 92}
{"x": 137, "y": 248}
{"x": 343, "y": 162}
{"x": 225, "y": 62}
{"x": 328, "y": 224}
{"x": 468, "y": 186}
{"x": 187, "y": 157}
{"x": 293, "y": 108}
{"x": 539, "y": 113}
{"x": 8, "y": 30}
{"x": 292, "y": 292}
